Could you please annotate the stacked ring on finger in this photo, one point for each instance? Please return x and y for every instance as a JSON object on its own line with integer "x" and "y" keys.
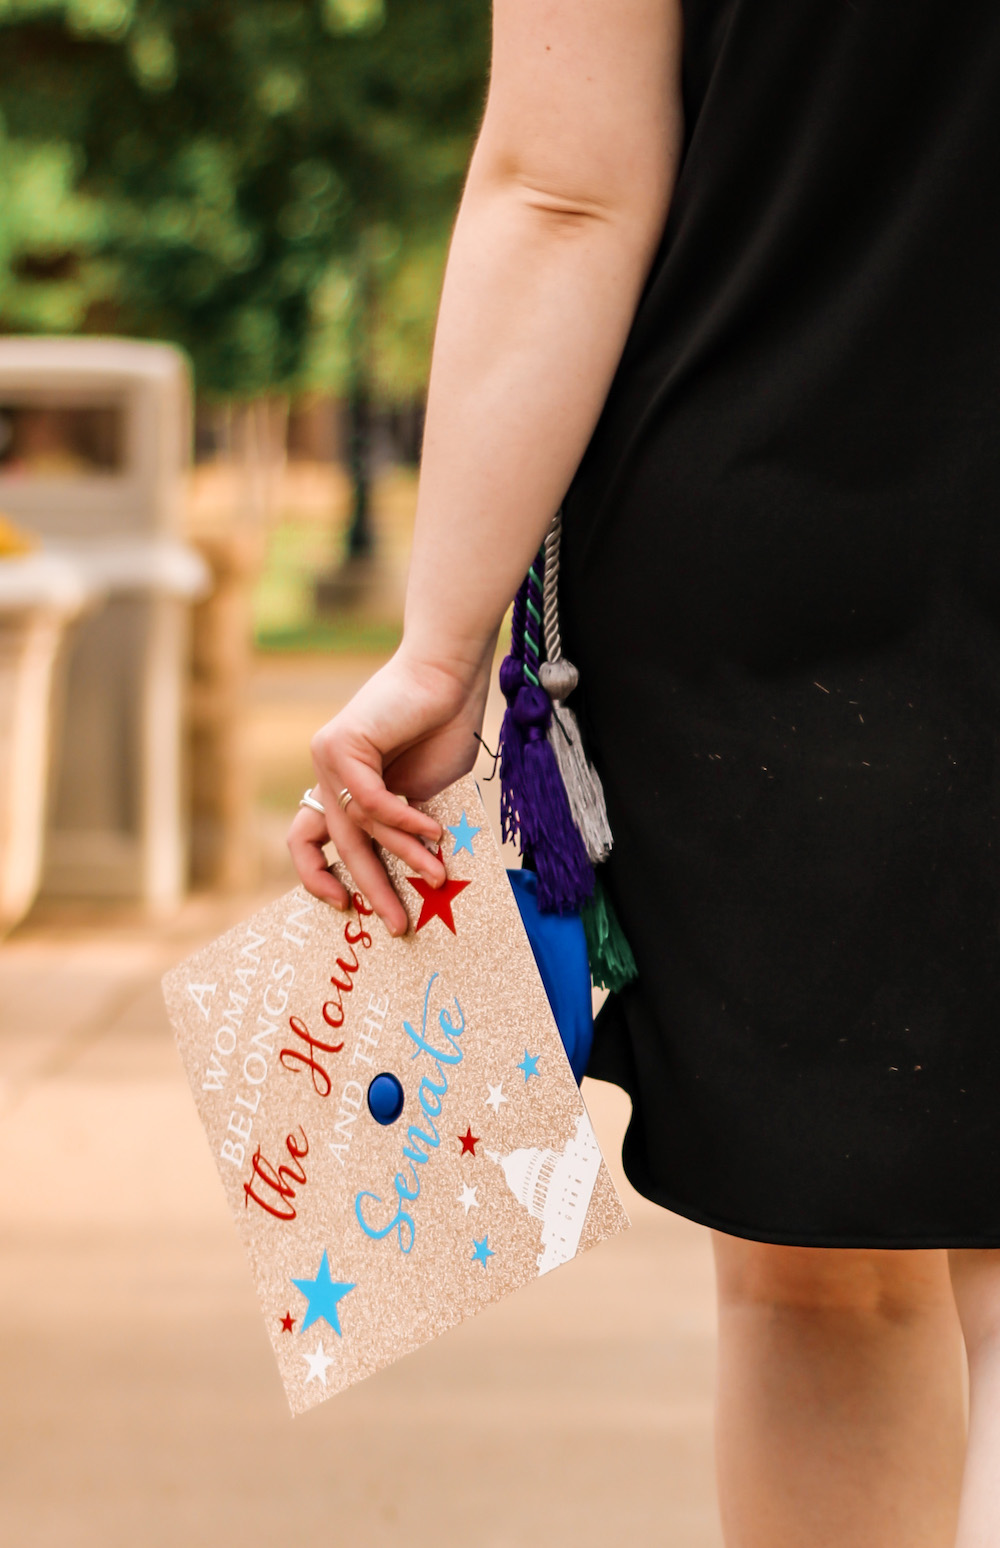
{"x": 344, "y": 799}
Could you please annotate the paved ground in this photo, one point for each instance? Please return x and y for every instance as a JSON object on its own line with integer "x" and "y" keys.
{"x": 142, "y": 1406}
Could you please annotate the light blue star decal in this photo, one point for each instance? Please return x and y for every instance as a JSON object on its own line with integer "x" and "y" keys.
{"x": 464, "y": 833}
{"x": 322, "y": 1293}
{"x": 483, "y": 1251}
{"x": 529, "y": 1064}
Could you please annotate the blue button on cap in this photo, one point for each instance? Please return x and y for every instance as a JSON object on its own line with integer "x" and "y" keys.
{"x": 385, "y": 1098}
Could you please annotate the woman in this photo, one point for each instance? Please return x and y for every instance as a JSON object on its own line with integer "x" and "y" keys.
{"x": 724, "y": 284}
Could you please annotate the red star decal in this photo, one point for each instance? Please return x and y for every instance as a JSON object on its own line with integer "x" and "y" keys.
{"x": 436, "y": 900}
{"x": 287, "y": 1322}
{"x": 469, "y": 1142}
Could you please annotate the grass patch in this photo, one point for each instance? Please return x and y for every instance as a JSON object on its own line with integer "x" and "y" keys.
{"x": 308, "y": 542}
{"x": 327, "y": 636}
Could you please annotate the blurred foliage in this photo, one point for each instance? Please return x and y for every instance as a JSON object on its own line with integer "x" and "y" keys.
{"x": 407, "y": 281}
{"x": 47, "y": 230}
{"x": 312, "y": 539}
{"x": 232, "y": 174}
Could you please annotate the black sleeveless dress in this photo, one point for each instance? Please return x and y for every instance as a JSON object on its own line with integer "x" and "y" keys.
{"x": 781, "y": 582}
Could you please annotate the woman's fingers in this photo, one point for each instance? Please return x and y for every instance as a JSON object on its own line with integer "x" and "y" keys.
{"x": 389, "y": 835}
{"x": 306, "y": 839}
{"x": 354, "y": 847}
{"x": 386, "y": 818}
{"x": 310, "y": 832}
{"x": 384, "y": 807}
{"x": 369, "y": 876}
{"x": 370, "y": 799}
{"x": 411, "y": 851}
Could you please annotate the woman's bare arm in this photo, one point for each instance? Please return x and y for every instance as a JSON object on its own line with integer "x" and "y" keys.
{"x": 564, "y": 203}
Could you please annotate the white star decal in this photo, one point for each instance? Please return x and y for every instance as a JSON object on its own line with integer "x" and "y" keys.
{"x": 495, "y": 1097}
{"x": 317, "y": 1362}
{"x": 468, "y": 1199}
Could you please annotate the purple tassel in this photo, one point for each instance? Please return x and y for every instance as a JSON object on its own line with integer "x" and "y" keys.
{"x": 511, "y": 753}
{"x": 565, "y": 875}
{"x": 534, "y": 807}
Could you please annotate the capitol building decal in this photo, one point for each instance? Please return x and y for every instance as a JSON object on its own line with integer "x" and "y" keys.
{"x": 555, "y": 1187}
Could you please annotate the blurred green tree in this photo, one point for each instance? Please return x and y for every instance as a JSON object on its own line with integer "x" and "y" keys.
{"x": 48, "y": 231}
{"x": 236, "y": 159}
{"x": 213, "y": 172}
{"x": 240, "y": 149}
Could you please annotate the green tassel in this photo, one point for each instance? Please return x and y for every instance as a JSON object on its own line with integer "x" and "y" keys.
{"x": 612, "y": 964}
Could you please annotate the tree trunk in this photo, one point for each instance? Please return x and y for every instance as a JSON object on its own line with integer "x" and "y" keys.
{"x": 361, "y": 535}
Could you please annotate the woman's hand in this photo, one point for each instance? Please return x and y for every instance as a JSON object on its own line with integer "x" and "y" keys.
{"x": 409, "y": 732}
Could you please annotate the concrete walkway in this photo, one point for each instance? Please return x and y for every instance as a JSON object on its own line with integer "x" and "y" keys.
{"x": 142, "y": 1408}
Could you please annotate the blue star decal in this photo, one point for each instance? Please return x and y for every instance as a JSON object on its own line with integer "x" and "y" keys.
{"x": 322, "y": 1293}
{"x": 464, "y": 833}
{"x": 529, "y": 1064}
{"x": 483, "y": 1251}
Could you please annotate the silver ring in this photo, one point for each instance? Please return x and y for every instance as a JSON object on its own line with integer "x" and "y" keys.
{"x": 310, "y": 800}
{"x": 344, "y": 799}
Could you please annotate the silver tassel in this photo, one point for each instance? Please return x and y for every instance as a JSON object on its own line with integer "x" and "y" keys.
{"x": 583, "y": 786}
{"x": 559, "y": 677}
